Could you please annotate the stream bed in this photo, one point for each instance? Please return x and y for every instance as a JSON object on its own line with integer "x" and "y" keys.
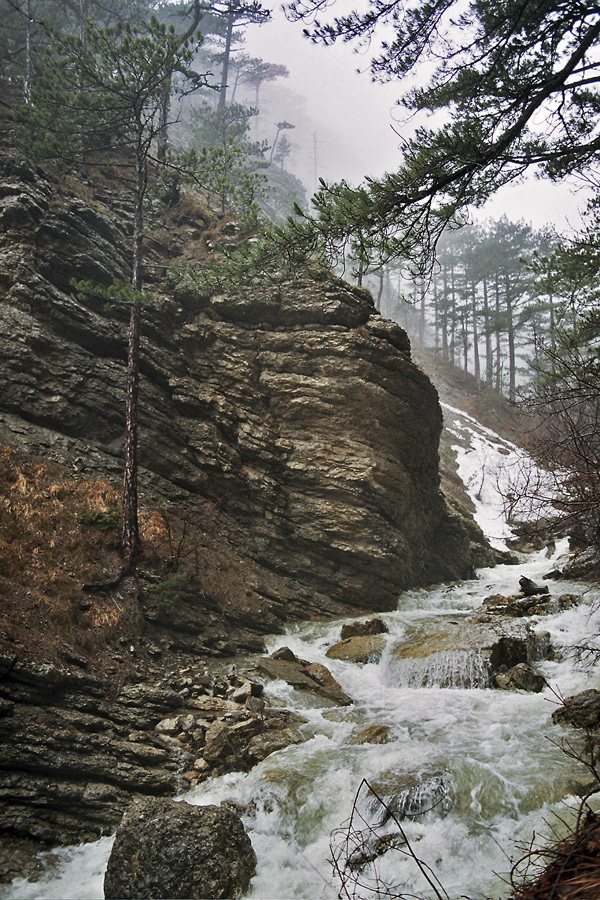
{"x": 483, "y": 762}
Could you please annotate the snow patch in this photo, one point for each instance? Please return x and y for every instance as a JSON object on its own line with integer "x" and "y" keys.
{"x": 496, "y": 473}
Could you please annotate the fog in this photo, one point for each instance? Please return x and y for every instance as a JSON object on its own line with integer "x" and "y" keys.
{"x": 348, "y": 116}
{"x": 347, "y": 126}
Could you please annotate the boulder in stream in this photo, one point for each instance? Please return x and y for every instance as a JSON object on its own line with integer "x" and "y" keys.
{"x": 303, "y": 676}
{"x": 390, "y": 799}
{"x": 471, "y": 653}
{"x": 520, "y": 678}
{"x": 165, "y": 849}
{"x": 359, "y": 649}
{"x": 580, "y": 710}
{"x": 374, "y": 625}
{"x": 521, "y": 605}
{"x": 530, "y": 588}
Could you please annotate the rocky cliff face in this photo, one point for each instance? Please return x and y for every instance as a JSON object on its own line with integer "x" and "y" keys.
{"x": 297, "y": 409}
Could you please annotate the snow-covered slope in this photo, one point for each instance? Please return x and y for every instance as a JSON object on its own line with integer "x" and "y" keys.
{"x": 499, "y": 476}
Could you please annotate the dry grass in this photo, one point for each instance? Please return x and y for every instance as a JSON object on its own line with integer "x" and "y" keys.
{"x": 567, "y": 870}
{"x": 48, "y": 550}
{"x": 58, "y": 532}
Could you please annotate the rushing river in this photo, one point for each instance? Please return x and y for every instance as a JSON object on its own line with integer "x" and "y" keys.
{"x": 486, "y": 757}
{"x": 484, "y": 752}
{"x": 427, "y": 735}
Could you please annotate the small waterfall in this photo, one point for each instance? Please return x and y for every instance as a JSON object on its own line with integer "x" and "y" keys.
{"x": 447, "y": 669}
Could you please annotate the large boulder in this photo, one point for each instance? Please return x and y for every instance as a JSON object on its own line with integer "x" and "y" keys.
{"x": 165, "y": 849}
{"x": 472, "y": 653}
{"x": 360, "y": 648}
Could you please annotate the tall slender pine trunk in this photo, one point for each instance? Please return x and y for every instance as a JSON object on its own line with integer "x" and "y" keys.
{"x": 453, "y": 315}
{"x": 130, "y": 540}
{"x": 226, "y": 57}
{"x": 510, "y": 333}
{"x": 476, "y": 359}
{"x": 499, "y": 378}
{"x": 489, "y": 365}
{"x": 445, "y": 353}
{"x": 436, "y": 315}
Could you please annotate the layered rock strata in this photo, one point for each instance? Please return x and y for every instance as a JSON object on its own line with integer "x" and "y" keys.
{"x": 76, "y": 749}
{"x": 296, "y": 408}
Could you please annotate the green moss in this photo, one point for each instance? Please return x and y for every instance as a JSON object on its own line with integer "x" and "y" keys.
{"x": 104, "y": 520}
{"x": 169, "y": 593}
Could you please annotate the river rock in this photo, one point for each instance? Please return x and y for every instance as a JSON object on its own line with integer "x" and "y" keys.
{"x": 584, "y": 565}
{"x": 394, "y": 796}
{"x": 580, "y": 710}
{"x": 511, "y": 650}
{"x": 270, "y": 740}
{"x": 503, "y": 646}
{"x": 414, "y": 796}
{"x": 217, "y": 741}
{"x": 520, "y": 678}
{"x": 468, "y": 653}
{"x": 530, "y": 588}
{"x": 359, "y": 649}
{"x": 521, "y": 605}
{"x": 374, "y": 625}
{"x": 165, "y": 849}
{"x": 303, "y": 676}
{"x": 371, "y": 734}
{"x": 242, "y": 692}
{"x": 322, "y": 674}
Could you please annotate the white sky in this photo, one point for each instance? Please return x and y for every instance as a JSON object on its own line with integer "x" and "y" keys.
{"x": 345, "y": 121}
{"x": 351, "y": 117}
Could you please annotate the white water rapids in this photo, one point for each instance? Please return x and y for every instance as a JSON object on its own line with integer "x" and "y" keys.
{"x": 488, "y": 755}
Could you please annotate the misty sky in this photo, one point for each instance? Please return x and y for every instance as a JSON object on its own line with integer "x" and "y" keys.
{"x": 350, "y": 116}
{"x": 352, "y": 121}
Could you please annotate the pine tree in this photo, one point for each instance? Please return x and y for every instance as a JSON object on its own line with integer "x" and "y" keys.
{"x": 236, "y": 14}
{"x": 99, "y": 99}
{"x": 226, "y": 163}
{"x": 515, "y": 83}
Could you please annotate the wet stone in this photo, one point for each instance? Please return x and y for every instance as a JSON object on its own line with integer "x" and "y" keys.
{"x": 375, "y": 625}
{"x": 580, "y": 710}
{"x": 358, "y": 649}
{"x": 520, "y": 678}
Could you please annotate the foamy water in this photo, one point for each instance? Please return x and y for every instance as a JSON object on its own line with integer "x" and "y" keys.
{"x": 488, "y": 760}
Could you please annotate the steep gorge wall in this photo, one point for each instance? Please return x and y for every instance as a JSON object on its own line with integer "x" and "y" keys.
{"x": 297, "y": 408}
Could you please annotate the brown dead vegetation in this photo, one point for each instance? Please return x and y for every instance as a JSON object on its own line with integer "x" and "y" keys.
{"x": 59, "y": 532}
{"x": 567, "y": 870}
